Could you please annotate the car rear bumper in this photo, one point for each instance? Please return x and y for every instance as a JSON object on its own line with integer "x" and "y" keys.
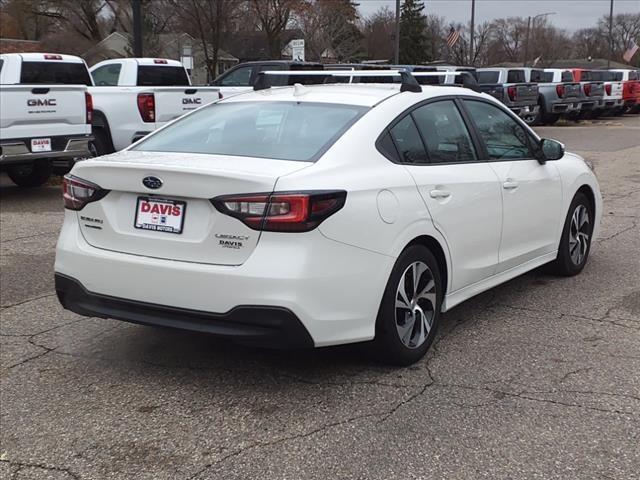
{"x": 333, "y": 289}
{"x": 256, "y": 325}
{"x": 14, "y": 152}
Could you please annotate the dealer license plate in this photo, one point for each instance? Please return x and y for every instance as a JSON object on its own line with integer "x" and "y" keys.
{"x": 40, "y": 144}
{"x": 160, "y": 214}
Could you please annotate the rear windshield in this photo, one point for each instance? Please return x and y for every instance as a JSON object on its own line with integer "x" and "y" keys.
{"x": 586, "y": 76}
{"x": 544, "y": 77}
{"x": 157, "y": 76}
{"x": 299, "y": 131}
{"x": 54, "y": 72}
{"x": 540, "y": 76}
{"x": 567, "y": 77}
{"x": 515, "y": 76}
{"x": 488, "y": 77}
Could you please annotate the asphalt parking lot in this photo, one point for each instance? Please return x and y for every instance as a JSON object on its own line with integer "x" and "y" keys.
{"x": 537, "y": 379}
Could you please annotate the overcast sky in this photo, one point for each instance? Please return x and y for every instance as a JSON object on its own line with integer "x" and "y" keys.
{"x": 570, "y": 14}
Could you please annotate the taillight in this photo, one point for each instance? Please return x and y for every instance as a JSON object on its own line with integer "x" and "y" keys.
{"x": 77, "y": 192}
{"x": 88, "y": 101}
{"x": 587, "y": 89}
{"x": 512, "y": 92}
{"x": 282, "y": 211}
{"x": 147, "y": 107}
{"x": 161, "y": 61}
{"x": 49, "y": 56}
{"x": 607, "y": 88}
{"x": 560, "y": 91}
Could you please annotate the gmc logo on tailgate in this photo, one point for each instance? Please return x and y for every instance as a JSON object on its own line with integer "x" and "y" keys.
{"x": 191, "y": 101}
{"x": 47, "y": 102}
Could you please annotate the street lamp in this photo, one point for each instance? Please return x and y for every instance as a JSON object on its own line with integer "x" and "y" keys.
{"x": 526, "y": 48}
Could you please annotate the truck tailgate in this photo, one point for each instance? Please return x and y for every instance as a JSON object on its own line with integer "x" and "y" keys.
{"x": 48, "y": 109}
{"x": 494, "y": 89}
{"x": 173, "y": 102}
{"x": 572, "y": 90}
{"x": 527, "y": 93}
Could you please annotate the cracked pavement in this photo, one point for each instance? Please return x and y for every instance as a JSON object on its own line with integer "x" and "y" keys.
{"x": 536, "y": 379}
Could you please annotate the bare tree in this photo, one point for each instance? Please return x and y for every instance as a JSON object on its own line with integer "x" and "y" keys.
{"x": 84, "y": 17}
{"x": 208, "y": 18}
{"x": 330, "y": 25}
{"x": 378, "y": 33}
{"x": 273, "y": 17}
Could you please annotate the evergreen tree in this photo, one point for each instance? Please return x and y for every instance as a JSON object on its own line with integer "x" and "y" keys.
{"x": 413, "y": 41}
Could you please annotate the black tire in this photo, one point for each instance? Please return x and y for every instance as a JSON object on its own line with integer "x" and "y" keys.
{"x": 567, "y": 264}
{"x": 33, "y": 175}
{"x": 550, "y": 118}
{"x": 389, "y": 347}
{"x": 101, "y": 144}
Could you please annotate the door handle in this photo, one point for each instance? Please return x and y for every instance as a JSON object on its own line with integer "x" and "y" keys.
{"x": 510, "y": 185}
{"x": 440, "y": 193}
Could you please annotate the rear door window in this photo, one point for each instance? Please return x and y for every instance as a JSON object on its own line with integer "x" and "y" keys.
{"x": 444, "y": 133}
{"x": 162, "y": 76}
{"x": 107, "y": 75}
{"x": 55, "y": 73}
{"x": 407, "y": 139}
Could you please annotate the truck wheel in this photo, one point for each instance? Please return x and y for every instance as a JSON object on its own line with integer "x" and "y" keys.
{"x": 33, "y": 175}
{"x": 101, "y": 144}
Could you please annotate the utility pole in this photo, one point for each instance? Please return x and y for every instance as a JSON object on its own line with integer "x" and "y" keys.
{"x": 610, "y": 35}
{"x": 396, "y": 54}
{"x": 526, "y": 45}
{"x": 472, "y": 57}
{"x": 137, "y": 28}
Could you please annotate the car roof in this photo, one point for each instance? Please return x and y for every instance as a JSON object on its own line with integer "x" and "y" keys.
{"x": 165, "y": 62}
{"x": 366, "y": 95}
{"x": 41, "y": 57}
{"x": 276, "y": 62}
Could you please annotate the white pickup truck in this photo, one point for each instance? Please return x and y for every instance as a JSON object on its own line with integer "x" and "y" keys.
{"x": 134, "y": 96}
{"x": 45, "y": 115}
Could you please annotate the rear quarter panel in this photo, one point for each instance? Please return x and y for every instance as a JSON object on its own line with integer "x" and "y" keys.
{"x": 384, "y": 210}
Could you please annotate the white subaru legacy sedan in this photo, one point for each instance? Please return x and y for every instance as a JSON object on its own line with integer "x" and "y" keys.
{"x": 308, "y": 216}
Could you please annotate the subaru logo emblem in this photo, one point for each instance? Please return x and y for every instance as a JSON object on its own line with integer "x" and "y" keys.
{"x": 152, "y": 182}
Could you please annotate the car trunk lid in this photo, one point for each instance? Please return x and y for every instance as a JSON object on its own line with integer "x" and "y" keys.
{"x": 119, "y": 223}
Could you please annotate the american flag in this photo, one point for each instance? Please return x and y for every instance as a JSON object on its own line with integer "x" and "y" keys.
{"x": 453, "y": 37}
{"x": 632, "y": 48}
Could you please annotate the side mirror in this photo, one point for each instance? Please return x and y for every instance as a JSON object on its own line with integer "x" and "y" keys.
{"x": 551, "y": 149}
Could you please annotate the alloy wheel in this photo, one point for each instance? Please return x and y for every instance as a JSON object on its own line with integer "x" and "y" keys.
{"x": 415, "y": 304}
{"x": 579, "y": 233}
